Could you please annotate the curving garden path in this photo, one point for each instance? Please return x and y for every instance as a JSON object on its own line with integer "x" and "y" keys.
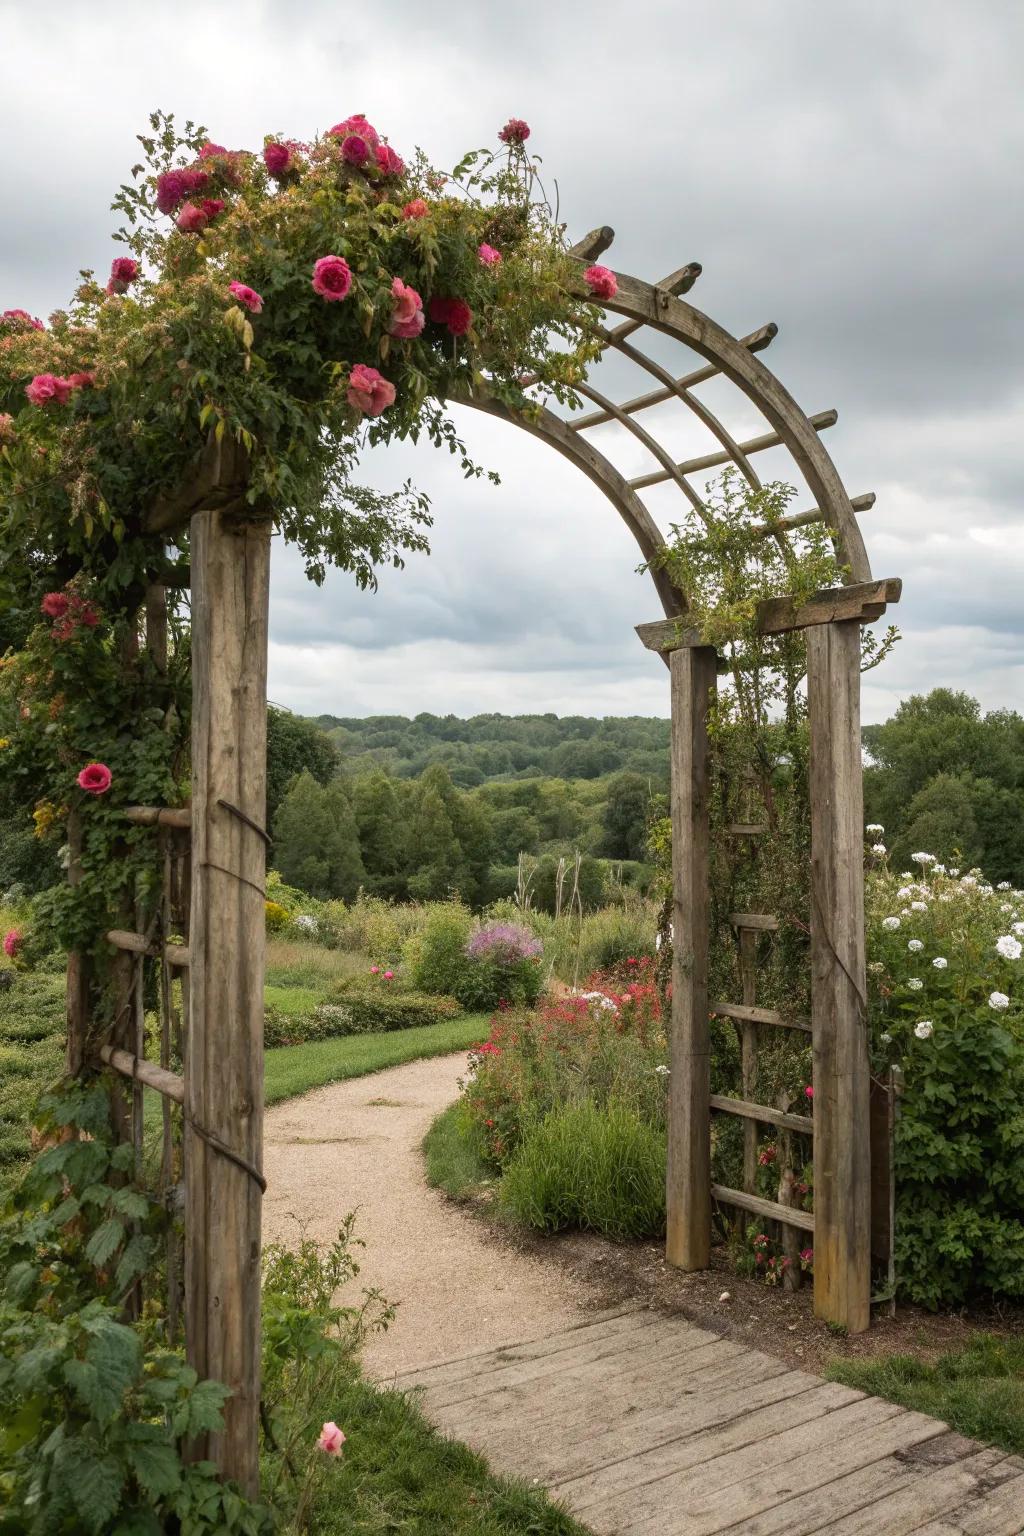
{"x": 644, "y": 1424}
{"x": 357, "y": 1144}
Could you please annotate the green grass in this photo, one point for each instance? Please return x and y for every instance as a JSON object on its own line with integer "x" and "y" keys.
{"x": 293, "y": 1002}
{"x": 295, "y": 1069}
{"x": 452, "y": 1154}
{"x": 978, "y": 1390}
{"x": 295, "y": 963}
{"x": 31, "y": 1057}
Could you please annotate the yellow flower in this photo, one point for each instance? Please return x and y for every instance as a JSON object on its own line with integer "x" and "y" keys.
{"x": 4, "y": 742}
{"x": 44, "y": 816}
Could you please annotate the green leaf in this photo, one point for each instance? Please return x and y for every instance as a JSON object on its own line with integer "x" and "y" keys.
{"x": 157, "y": 1468}
{"x": 104, "y": 1242}
{"x": 94, "y": 1482}
{"x": 132, "y": 1203}
{"x": 205, "y": 1403}
{"x": 134, "y": 1261}
{"x": 23, "y": 1426}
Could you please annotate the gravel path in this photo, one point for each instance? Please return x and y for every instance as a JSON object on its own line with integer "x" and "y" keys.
{"x": 459, "y": 1288}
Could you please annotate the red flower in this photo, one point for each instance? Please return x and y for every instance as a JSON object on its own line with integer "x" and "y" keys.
{"x": 54, "y": 605}
{"x": 332, "y": 277}
{"x": 454, "y": 313}
{"x": 602, "y": 282}
{"x": 389, "y": 161}
{"x": 123, "y": 271}
{"x": 12, "y": 942}
{"x": 95, "y": 779}
{"x": 247, "y": 296}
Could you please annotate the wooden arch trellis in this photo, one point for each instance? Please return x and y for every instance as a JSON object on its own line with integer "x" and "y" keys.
{"x": 215, "y": 860}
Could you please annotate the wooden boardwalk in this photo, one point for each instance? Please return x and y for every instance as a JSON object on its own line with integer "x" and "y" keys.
{"x": 644, "y": 1424}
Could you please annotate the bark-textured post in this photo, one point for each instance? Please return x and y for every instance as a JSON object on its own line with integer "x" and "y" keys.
{"x": 77, "y": 995}
{"x": 842, "y": 1157}
{"x": 688, "y": 1190}
{"x": 224, "y": 1047}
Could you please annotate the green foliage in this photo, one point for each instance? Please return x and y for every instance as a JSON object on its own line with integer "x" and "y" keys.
{"x": 32, "y": 1045}
{"x": 296, "y": 1069}
{"x": 437, "y": 956}
{"x": 316, "y": 843}
{"x": 455, "y": 1153}
{"x": 295, "y": 746}
{"x": 978, "y": 1390}
{"x": 599, "y": 1168}
{"x": 357, "y": 1008}
{"x": 960, "y": 1133}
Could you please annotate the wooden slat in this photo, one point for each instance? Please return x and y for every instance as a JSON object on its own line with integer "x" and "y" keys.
{"x": 755, "y": 342}
{"x": 137, "y": 944}
{"x": 224, "y": 1048}
{"x": 769, "y": 1209}
{"x": 677, "y": 283}
{"x": 745, "y": 829}
{"x": 762, "y": 1113}
{"x": 842, "y": 1075}
{"x": 688, "y": 1221}
{"x": 779, "y": 615}
{"x": 812, "y": 515}
{"x": 147, "y": 1072}
{"x": 159, "y": 816}
{"x": 594, "y": 244}
{"x": 761, "y": 922}
{"x": 748, "y": 1051}
{"x": 819, "y": 421}
{"x": 759, "y": 1016}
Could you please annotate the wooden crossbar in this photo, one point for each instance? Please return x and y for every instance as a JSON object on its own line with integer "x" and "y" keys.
{"x": 749, "y": 1015}
{"x": 819, "y": 422}
{"x": 755, "y": 342}
{"x": 865, "y": 600}
{"x": 812, "y": 515}
{"x": 159, "y": 816}
{"x": 769, "y": 1209}
{"x": 745, "y": 829}
{"x": 761, "y": 921}
{"x": 763, "y": 1113}
{"x": 168, "y": 1083}
{"x": 138, "y": 944}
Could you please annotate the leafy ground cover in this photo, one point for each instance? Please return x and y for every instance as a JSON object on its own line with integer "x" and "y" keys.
{"x": 31, "y": 1056}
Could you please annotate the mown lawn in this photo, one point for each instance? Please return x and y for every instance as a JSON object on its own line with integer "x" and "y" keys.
{"x": 977, "y": 1390}
{"x": 295, "y": 1069}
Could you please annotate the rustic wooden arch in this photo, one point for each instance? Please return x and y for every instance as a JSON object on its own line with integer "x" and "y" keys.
{"x": 216, "y": 853}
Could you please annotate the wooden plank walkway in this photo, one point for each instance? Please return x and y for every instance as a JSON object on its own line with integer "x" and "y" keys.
{"x": 648, "y": 1426}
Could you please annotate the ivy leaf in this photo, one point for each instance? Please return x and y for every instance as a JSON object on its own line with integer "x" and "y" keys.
{"x": 104, "y": 1242}
{"x": 157, "y": 1468}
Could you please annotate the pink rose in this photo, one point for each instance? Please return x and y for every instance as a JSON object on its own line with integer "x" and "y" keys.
{"x": 55, "y": 605}
{"x": 46, "y": 387}
{"x": 389, "y": 162}
{"x": 356, "y": 124}
{"x": 12, "y": 943}
{"x": 809, "y": 1092}
{"x": 6, "y": 427}
{"x": 488, "y": 255}
{"x": 454, "y": 313}
{"x": 369, "y": 391}
{"x": 246, "y": 296}
{"x": 21, "y": 317}
{"x": 408, "y": 318}
{"x": 278, "y": 158}
{"x": 389, "y": 975}
{"x": 95, "y": 779}
{"x": 331, "y": 1439}
{"x": 332, "y": 277}
{"x": 515, "y": 131}
{"x": 354, "y": 150}
{"x": 191, "y": 219}
{"x": 123, "y": 271}
{"x": 82, "y": 380}
{"x": 417, "y": 209}
{"x": 374, "y": 970}
{"x": 602, "y": 282}
{"x": 173, "y": 187}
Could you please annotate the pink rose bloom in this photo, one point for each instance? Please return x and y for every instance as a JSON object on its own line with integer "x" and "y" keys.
{"x": 6, "y": 427}
{"x": 123, "y": 271}
{"x": 278, "y": 158}
{"x": 46, "y": 387}
{"x": 331, "y": 1439}
{"x": 211, "y": 206}
{"x": 374, "y": 970}
{"x": 454, "y": 313}
{"x": 515, "y": 131}
{"x": 356, "y": 124}
{"x": 389, "y": 975}
{"x": 22, "y": 317}
{"x": 488, "y": 255}
{"x": 417, "y": 209}
{"x": 809, "y": 1091}
{"x": 247, "y": 296}
{"x": 408, "y": 318}
{"x": 389, "y": 162}
{"x": 12, "y": 942}
{"x": 602, "y": 282}
{"x": 209, "y": 150}
{"x": 369, "y": 391}
{"x": 54, "y": 605}
{"x": 82, "y": 380}
{"x": 354, "y": 150}
{"x": 192, "y": 219}
{"x": 332, "y": 277}
{"x": 173, "y": 187}
{"x": 95, "y": 779}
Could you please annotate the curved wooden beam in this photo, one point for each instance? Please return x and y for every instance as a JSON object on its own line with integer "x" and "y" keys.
{"x": 650, "y": 443}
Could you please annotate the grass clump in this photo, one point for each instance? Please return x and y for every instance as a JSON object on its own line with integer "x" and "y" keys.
{"x": 599, "y": 1168}
{"x": 977, "y": 1390}
{"x": 455, "y": 1158}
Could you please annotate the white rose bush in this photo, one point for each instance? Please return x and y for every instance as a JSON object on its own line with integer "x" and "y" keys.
{"x": 946, "y": 1007}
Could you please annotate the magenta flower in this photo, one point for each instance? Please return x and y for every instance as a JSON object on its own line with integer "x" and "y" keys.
{"x": 247, "y": 297}
{"x": 515, "y": 131}
{"x": 417, "y": 209}
{"x": 47, "y": 387}
{"x": 331, "y": 1439}
{"x": 602, "y": 282}
{"x": 369, "y": 391}
{"x": 374, "y": 970}
{"x": 21, "y": 317}
{"x": 389, "y": 975}
{"x": 95, "y": 779}
{"x": 356, "y": 124}
{"x": 55, "y": 605}
{"x": 488, "y": 255}
{"x": 354, "y": 150}
{"x": 408, "y": 318}
{"x": 173, "y": 187}
{"x": 388, "y": 161}
{"x": 809, "y": 1092}
{"x": 12, "y": 942}
{"x": 332, "y": 277}
{"x": 191, "y": 219}
{"x": 279, "y": 158}
{"x": 454, "y": 313}
{"x": 123, "y": 271}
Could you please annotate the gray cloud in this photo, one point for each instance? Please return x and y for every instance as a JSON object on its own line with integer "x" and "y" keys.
{"x": 851, "y": 171}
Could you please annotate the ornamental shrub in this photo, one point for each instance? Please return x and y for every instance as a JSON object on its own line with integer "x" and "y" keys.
{"x": 437, "y": 956}
{"x": 947, "y": 1009}
{"x": 366, "y": 1009}
{"x": 504, "y": 968}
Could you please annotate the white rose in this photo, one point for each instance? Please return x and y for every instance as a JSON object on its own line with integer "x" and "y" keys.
{"x": 924, "y": 1029}
{"x": 999, "y": 1001}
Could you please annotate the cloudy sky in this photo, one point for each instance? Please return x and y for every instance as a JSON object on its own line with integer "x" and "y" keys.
{"x": 850, "y": 170}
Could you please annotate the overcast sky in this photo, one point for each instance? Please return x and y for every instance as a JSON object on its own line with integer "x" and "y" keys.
{"x": 850, "y": 170}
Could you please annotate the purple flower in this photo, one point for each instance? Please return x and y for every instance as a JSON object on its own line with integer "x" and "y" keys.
{"x": 504, "y": 944}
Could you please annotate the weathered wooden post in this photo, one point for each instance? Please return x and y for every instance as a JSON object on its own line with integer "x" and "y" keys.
{"x": 842, "y": 1080}
{"x": 688, "y": 1188}
{"x": 224, "y": 1047}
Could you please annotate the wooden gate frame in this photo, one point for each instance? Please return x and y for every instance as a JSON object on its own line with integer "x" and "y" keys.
{"x": 222, "y": 1088}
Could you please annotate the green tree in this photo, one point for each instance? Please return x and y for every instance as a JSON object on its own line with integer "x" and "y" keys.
{"x": 316, "y": 843}
{"x": 294, "y": 746}
{"x": 940, "y": 819}
{"x": 378, "y": 804}
{"x": 625, "y": 817}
